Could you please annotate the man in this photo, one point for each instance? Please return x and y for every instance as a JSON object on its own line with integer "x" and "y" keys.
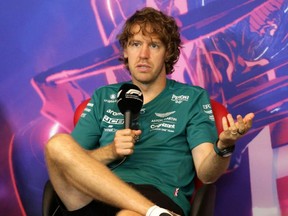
{"x": 175, "y": 125}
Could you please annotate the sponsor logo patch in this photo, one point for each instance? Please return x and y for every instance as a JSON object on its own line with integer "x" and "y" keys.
{"x": 179, "y": 99}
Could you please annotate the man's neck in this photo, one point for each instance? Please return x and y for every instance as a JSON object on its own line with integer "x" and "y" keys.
{"x": 151, "y": 91}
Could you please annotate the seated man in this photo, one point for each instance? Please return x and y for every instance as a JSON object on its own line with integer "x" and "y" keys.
{"x": 176, "y": 136}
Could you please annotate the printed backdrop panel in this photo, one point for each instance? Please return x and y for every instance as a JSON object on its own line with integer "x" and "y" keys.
{"x": 55, "y": 53}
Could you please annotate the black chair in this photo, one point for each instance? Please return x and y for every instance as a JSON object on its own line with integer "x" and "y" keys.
{"x": 50, "y": 206}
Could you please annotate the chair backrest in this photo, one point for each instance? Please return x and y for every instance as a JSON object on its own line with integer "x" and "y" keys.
{"x": 219, "y": 111}
{"x": 80, "y": 108}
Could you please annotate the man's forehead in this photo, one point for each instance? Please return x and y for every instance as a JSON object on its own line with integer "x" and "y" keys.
{"x": 148, "y": 33}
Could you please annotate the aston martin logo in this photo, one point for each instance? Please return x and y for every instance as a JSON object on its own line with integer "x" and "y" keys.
{"x": 164, "y": 115}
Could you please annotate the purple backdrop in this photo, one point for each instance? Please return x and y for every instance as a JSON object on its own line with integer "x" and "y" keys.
{"x": 55, "y": 53}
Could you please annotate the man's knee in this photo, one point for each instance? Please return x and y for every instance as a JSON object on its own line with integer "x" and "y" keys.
{"x": 57, "y": 146}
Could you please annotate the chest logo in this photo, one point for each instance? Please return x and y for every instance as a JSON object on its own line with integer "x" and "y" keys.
{"x": 179, "y": 99}
{"x": 164, "y": 115}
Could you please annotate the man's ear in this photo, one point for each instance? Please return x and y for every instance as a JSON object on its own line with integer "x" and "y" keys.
{"x": 125, "y": 53}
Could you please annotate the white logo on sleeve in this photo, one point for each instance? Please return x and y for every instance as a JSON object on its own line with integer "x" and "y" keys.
{"x": 208, "y": 110}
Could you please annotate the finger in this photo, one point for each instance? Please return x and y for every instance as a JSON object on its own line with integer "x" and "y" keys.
{"x": 232, "y": 128}
{"x": 124, "y": 147}
{"x": 248, "y": 119}
{"x": 127, "y": 135}
{"x": 123, "y": 132}
{"x": 137, "y": 132}
{"x": 136, "y": 135}
{"x": 241, "y": 125}
{"x": 125, "y": 152}
{"x": 124, "y": 139}
{"x": 231, "y": 122}
{"x": 225, "y": 125}
{"x": 124, "y": 144}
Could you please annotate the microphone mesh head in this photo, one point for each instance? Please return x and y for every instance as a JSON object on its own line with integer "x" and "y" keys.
{"x": 129, "y": 98}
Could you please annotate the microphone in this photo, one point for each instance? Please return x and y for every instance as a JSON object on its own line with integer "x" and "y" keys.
{"x": 129, "y": 101}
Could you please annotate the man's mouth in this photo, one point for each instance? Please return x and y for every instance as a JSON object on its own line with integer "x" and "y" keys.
{"x": 143, "y": 67}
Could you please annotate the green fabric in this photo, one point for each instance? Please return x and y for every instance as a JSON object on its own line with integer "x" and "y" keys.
{"x": 176, "y": 121}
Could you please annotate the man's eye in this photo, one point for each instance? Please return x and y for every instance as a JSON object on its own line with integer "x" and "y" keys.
{"x": 154, "y": 45}
{"x": 135, "y": 44}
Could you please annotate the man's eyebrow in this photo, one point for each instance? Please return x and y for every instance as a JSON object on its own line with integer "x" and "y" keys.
{"x": 133, "y": 41}
{"x": 152, "y": 40}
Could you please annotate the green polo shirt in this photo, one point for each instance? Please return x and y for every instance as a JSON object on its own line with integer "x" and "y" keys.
{"x": 172, "y": 124}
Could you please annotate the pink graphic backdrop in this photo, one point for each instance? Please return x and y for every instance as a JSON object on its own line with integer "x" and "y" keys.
{"x": 55, "y": 53}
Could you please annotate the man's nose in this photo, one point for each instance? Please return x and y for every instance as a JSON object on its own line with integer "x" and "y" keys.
{"x": 144, "y": 52}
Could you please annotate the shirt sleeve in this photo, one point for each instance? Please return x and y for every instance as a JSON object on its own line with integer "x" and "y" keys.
{"x": 201, "y": 125}
{"x": 87, "y": 130}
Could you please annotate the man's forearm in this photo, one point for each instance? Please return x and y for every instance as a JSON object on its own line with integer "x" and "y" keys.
{"x": 213, "y": 167}
{"x": 104, "y": 154}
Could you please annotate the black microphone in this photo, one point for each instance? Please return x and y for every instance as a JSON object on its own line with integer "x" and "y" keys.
{"x": 129, "y": 101}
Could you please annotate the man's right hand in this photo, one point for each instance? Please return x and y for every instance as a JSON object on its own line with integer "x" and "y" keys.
{"x": 124, "y": 142}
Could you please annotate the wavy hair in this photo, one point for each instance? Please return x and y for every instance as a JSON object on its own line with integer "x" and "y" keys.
{"x": 154, "y": 22}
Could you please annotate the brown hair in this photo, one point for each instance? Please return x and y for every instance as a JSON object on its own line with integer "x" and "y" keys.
{"x": 160, "y": 24}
